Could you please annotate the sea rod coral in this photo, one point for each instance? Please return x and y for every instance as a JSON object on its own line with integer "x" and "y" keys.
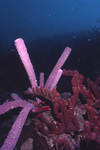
{"x": 12, "y": 138}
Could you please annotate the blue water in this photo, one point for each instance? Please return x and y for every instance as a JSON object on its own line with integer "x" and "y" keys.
{"x": 48, "y": 26}
{"x": 32, "y": 19}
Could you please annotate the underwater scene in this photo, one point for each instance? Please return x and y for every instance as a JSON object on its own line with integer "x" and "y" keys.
{"x": 49, "y": 75}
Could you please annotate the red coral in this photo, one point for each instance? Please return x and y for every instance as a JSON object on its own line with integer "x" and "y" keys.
{"x": 67, "y": 120}
{"x": 62, "y": 116}
{"x": 90, "y": 134}
{"x": 77, "y": 81}
{"x": 94, "y": 87}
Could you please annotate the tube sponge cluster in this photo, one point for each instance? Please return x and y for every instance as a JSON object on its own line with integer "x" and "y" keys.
{"x": 51, "y": 82}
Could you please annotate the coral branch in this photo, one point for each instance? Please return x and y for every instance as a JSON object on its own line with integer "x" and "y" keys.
{"x": 46, "y": 93}
{"x": 68, "y": 121}
{"x": 77, "y": 80}
{"x": 95, "y": 87}
{"x": 92, "y": 135}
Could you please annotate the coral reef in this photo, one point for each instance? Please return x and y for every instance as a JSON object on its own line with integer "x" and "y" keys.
{"x": 69, "y": 114}
{"x": 69, "y": 121}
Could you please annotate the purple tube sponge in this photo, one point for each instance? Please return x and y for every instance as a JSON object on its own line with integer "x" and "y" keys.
{"x": 58, "y": 65}
{"x": 22, "y": 51}
{"x": 6, "y": 106}
{"x": 14, "y": 133}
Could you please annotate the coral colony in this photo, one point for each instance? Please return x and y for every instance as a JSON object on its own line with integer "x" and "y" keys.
{"x": 64, "y": 122}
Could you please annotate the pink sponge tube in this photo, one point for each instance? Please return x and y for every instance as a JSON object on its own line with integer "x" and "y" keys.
{"x": 58, "y": 65}
{"x": 22, "y": 51}
{"x": 14, "y": 133}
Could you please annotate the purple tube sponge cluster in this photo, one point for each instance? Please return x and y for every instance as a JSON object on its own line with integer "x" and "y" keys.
{"x": 51, "y": 82}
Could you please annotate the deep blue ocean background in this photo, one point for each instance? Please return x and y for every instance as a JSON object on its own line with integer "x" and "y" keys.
{"x": 47, "y": 27}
